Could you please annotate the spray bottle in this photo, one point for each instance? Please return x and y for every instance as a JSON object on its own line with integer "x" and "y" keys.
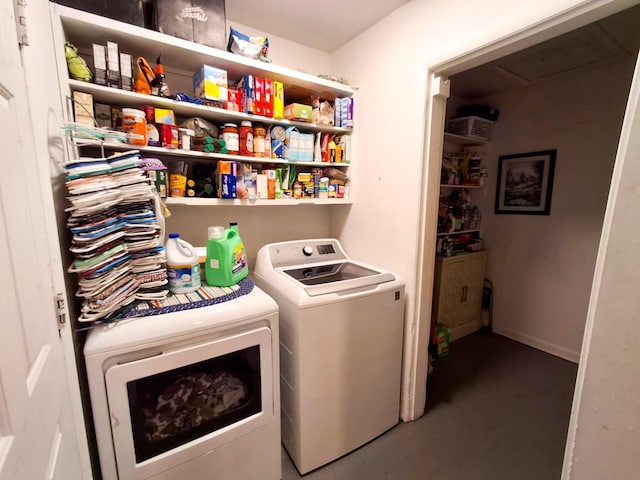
{"x": 159, "y": 85}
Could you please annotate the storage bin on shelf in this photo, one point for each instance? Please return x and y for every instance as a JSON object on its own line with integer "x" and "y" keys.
{"x": 472, "y": 127}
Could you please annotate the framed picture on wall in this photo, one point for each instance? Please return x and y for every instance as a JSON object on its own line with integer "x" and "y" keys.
{"x": 525, "y": 182}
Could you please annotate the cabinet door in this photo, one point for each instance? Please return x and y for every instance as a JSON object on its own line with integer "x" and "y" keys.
{"x": 450, "y": 295}
{"x": 472, "y": 283}
{"x": 459, "y": 290}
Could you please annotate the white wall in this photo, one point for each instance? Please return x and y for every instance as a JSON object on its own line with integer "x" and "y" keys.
{"x": 258, "y": 225}
{"x": 542, "y": 267}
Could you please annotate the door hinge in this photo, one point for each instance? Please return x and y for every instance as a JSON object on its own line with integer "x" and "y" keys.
{"x": 60, "y": 308}
{"x": 21, "y": 22}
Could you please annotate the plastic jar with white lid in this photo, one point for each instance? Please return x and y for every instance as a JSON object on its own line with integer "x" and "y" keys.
{"x": 259, "y": 141}
{"x": 186, "y": 137}
{"x": 134, "y": 124}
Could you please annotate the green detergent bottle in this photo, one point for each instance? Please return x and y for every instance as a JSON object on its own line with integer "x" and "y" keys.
{"x": 226, "y": 261}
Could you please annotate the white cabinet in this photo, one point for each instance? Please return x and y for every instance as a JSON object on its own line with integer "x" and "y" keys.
{"x": 457, "y": 299}
{"x": 181, "y": 59}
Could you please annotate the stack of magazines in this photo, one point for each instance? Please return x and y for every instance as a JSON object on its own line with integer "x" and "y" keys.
{"x": 117, "y": 235}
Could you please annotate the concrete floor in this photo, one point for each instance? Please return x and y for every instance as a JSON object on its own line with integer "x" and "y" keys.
{"x": 496, "y": 410}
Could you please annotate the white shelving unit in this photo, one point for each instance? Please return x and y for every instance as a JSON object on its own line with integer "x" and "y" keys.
{"x": 462, "y": 140}
{"x": 185, "y": 109}
{"x": 176, "y": 152}
{"x": 458, "y": 232}
{"x": 456, "y": 143}
{"x": 183, "y": 58}
{"x": 201, "y": 202}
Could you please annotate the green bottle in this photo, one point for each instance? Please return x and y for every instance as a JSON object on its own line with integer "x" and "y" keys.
{"x": 226, "y": 262}
{"x": 239, "y": 264}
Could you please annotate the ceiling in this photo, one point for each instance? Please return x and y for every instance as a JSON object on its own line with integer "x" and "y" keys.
{"x": 602, "y": 41}
{"x": 324, "y": 25}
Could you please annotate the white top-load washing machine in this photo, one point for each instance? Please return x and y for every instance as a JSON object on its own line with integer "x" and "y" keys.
{"x": 189, "y": 394}
{"x": 341, "y": 331}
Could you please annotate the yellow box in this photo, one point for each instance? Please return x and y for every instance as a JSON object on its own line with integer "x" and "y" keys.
{"x": 166, "y": 116}
{"x": 210, "y": 83}
{"x": 278, "y": 99}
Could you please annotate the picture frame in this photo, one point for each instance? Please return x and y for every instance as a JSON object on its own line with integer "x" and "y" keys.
{"x": 525, "y": 183}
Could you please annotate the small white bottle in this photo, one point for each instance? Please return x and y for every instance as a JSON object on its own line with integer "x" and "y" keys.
{"x": 183, "y": 266}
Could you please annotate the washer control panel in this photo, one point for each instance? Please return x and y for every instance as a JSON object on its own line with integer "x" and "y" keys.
{"x": 300, "y": 252}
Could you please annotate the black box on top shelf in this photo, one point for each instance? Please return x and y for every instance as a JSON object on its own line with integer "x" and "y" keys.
{"x": 128, "y": 11}
{"x": 200, "y": 21}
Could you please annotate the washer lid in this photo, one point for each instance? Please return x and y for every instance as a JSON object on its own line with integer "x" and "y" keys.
{"x": 336, "y": 277}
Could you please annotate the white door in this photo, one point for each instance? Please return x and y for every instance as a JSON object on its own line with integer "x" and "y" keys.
{"x": 37, "y": 440}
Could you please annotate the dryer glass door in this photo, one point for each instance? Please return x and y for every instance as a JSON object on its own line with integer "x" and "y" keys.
{"x": 171, "y": 407}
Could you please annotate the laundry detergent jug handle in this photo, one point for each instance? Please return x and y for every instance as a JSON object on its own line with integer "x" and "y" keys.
{"x": 231, "y": 233}
{"x": 185, "y": 248}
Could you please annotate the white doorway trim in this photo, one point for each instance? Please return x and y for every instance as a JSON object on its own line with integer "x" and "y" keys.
{"x": 587, "y": 12}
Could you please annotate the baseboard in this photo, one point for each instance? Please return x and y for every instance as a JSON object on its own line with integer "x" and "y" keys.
{"x": 534, "y": 342}
{"x": 462, "y": 330}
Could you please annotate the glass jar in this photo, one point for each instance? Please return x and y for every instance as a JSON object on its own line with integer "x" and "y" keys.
{"x": 231, "y": 138}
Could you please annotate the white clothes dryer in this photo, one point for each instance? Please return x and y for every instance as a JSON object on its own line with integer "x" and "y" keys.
{"x": 189, "y": 394}
{"x": 341, "y": 332}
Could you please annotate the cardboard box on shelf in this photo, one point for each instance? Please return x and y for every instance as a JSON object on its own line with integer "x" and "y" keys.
{"x": 210, "y": 83}
{"x": 227, "y": 172}
{"x": 278, "y": 99}
{"x": 83, "y": 108}
{"x": 128, "y": 11}
{"x": 298, "y": 111}
{"x": 113, "y": 65}
{"x": 246, "y": 85}
{"x": 164, "y": 116}
{"x": 268, "y": 98}
{"x": 100, "y": 64}
{"x": 259, "y": 95}
{"x": 102, "y": 113}
{"x": 126, "y": 71}
{"x": 200, "y": 21}
{"x": 234, "y": 100}
{"x": 262, "y": 186}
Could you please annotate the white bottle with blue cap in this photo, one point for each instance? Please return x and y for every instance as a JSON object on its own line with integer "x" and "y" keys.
{"x": 183, "y": 266}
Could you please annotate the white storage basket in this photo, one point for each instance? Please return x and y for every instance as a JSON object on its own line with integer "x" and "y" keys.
{"x": 472, "y": 127}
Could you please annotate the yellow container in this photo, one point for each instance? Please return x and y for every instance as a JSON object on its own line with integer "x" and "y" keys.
{"x": 278, "y": 99}
{"x": 177, "y": 185}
